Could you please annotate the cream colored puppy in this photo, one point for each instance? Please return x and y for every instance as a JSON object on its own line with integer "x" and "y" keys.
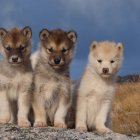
{"x": 97, "y": 87}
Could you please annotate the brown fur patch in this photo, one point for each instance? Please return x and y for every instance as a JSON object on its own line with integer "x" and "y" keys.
{"x": 58, "y": 46}
{"x": 58, "y": 37}
{"x": 14, "y": 38}
{"x": 16, "y": 44}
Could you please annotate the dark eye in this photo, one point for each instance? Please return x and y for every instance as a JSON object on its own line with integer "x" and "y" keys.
{"x": 100, "y": 61}
{"x": 64, "y": 50}
{"x": 22, "y": 48}
{"x": 112, "y": 61}
{"x": 8, "y": 48}
{"x": 50, "y": 50}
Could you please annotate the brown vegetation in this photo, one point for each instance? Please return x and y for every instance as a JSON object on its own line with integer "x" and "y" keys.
{"x": 126, "y": 109}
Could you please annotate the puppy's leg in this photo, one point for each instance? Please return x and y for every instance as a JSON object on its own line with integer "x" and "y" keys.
{"x": 102, "y": 118}
{"x": 39, "y": 111}
{"x": 81, "y": 114}
{"x": 61, "y": 112}
{"x": 5, "y": 112}
{"x": 13, "y": 107}
{"x": 23, "y": 109}
{"x": 109, "y": 120}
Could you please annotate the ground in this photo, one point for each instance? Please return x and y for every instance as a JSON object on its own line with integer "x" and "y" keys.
{"x": 12, "y": 132}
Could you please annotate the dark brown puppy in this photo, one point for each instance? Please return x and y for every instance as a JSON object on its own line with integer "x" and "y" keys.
{"x": 51, "y": 77}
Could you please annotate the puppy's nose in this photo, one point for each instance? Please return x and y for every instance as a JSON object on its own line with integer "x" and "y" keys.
{"x": 105, "y": 70}
{"x": 15, "y": 58}
{"x": 57, "y": 60}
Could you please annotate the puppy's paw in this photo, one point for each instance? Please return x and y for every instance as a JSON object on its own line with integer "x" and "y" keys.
{"x": 4, "y": 120}
{"x": 40, "y": 124}
{"x": 60, "y": 125}
{"x": 104, "y": 130}
{"x": 24, "y": 124}
{"x": 81, "y": 128}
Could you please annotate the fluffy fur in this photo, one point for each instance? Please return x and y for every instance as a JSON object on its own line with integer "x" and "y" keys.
{"x": 34, "y": 59}
{"x": 15, "y": 76}
{"x": 97, "y": 87}
{"x": 51, "y": 77}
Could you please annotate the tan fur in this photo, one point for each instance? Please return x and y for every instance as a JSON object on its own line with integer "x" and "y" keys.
{"x": 15, "y": 76}
{"x": 51, "y": 79}
{"x": 96, "y": 89}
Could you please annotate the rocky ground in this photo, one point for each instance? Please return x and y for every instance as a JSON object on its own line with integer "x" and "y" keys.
{"x": 11, "y": 132}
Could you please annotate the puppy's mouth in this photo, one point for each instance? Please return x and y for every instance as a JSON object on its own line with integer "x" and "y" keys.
{"x": 106, "y": 74}
{"x": 15, "y": 63}
{"x": 58, "y": 66}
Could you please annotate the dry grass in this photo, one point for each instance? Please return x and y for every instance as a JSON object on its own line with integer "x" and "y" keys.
{"x": 126, "y": 109}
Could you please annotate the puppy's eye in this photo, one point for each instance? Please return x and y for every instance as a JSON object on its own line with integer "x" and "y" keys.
{"x": 21, "y": 48}
{"x": 112, "y": 61}
{"x": 64, "y": 50}
{"x": 99, "y": 61}
{"x": 50, "y": 50}
{"x": 8, "y": 48}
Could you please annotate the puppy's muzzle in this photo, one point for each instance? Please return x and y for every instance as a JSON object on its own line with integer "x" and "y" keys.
{"x": 57, "y": 61}
{"x": 105, "y": 70}
{"x": 15, "y": 59}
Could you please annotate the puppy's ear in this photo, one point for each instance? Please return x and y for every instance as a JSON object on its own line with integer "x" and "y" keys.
{"x": 93, "y": 45}
{"x": 44, "y": 34}
{"x": 72, "y": 36}
{"x": 27, "y": 32}
{"x": 120, "y": 48}
{"x": 3, "y": 32}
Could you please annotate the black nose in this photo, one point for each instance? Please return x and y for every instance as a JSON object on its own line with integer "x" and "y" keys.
{"x": 15, "y": 58}
{"x": 57, "y": 60}
{"x": 105, "y": 70}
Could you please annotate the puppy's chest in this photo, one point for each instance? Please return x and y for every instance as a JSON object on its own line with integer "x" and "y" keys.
{"x": 102, "y": 91}
{"x": 16, "y": 84}
{"x": 53, "y": 88}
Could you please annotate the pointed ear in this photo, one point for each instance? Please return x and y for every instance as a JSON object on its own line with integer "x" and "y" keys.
{"x": 3, "y": 32}
{"x": 27, "y": 32}
{"x": 44, "y": 34}
{"x": 93, "y": 45}
{"x": 72, "y": 36}
{"x": 120, "y": 47}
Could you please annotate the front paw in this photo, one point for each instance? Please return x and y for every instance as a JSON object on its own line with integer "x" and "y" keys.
{"x": 104, "y": 130}
{"x": 81, "y": 128}
{"x": 24, "y": 124}
{"x": 4, "y": 119}
{"x": 40, "y": 124}
{"x": 60, "y": 125}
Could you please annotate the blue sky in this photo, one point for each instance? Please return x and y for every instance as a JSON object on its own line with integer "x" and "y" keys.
{"x": 113, "y": 20}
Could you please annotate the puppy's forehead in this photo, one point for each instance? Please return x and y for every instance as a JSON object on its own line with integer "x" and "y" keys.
{"x": 14, "y": 37}
{"x": 106, "y": 50}
{"x": 58, "y": 37}
{"x": 58, "y": 47}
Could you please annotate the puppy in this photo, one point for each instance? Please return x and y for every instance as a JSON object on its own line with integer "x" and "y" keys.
{"x": 97, "y": 87}
{"x": 51, "y": 77}
{"x": 15, "y": 75}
